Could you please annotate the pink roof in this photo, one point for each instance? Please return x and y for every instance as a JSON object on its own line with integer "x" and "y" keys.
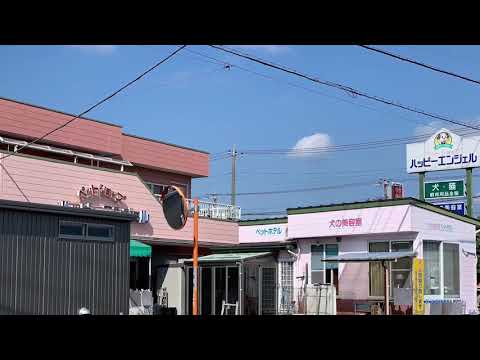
{"x": 24, "y": 121}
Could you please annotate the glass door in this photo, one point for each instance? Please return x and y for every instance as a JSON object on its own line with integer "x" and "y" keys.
{"x": 226, "y": 288}
{"x": 269, "y": 288}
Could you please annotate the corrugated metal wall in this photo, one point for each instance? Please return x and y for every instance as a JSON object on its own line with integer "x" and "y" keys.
{"x": 41, "y": 274}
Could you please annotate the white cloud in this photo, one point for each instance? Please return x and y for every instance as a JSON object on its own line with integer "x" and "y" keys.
{"x": 271, "y": 49}
{"x": 303, "y": 147}
{"x": 97, "y": 49}
{"x": 429, "y": 129}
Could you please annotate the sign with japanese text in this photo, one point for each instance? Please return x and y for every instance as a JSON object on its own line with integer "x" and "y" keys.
{"x": 418, "y": 276}
{"x": 455, "y": 207}
{"x": 444, "y": 189}
{"x": 443, "y": 151}
{"x": 341, "y": 223}
{"x": 269, "y": 231}
{"x": 92, "y": 191}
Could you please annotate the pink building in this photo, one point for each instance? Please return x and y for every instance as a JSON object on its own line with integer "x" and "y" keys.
{"x": 445, "y": 241}
{"x": 121, "y": 171}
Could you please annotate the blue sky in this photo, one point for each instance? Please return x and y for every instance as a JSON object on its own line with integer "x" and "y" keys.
{"x": 193, "y": 102}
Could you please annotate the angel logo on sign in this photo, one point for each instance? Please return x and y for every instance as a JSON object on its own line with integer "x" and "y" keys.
{"x": 443, "y": 141}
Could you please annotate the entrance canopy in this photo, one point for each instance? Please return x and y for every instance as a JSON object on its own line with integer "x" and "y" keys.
{"x": 370, "y": 257}
{"x": 138, "y": 249}
{"x": 229, "y": 257}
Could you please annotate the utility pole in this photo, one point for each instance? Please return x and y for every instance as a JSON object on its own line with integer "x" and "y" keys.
{"x": 234, "y": 175}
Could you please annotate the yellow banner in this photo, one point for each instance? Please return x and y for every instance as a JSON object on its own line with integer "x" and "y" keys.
{"x": 418, "y": 281}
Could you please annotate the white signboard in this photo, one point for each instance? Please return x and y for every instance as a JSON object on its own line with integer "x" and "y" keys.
{"x": 443, "y": 151}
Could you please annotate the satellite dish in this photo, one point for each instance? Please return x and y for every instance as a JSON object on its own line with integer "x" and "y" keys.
{"x": 175, "y": 208}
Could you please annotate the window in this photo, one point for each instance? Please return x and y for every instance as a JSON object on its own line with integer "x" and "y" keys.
{"x": 286, "y": 286}
{"x": 318, "y": 266}
{"x": 100, "y": 232}
{"x": 431, "y": 256}
{"x": 71, "y": 229}
{"x": 376, "y": 273}
{"x": 84, "y": 231}
{"x": 324, "y": 272}
{"x": 157, "y": 189}
{"x": 451, "y": 275}
{"x": 442, "y": 269}
{"x": 400, "y": 270}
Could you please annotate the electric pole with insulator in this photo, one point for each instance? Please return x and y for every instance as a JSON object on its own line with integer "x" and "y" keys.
{"x": 234, "y": 175}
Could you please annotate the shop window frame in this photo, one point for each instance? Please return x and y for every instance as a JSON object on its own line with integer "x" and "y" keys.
{"x": 441, "y": 296}
{"x": 390, "y": 270}
{"x": 85, "y": 236}
{"x": 324, "y": 264}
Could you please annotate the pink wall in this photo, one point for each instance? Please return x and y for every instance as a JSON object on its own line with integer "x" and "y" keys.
{"x": 165, "y": 157}
{"x": 24, "y": 121}
{"x": 260, "y": 233}
{"x": 353, "y": 277}
{"x": 373, "y": 220}
{"x": 48, "y": 181}
{"x": 386, "y": 223}
{"x": 442, "y": 228}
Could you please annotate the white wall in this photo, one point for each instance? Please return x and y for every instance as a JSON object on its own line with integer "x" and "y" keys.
{"x": 438, "y": 227}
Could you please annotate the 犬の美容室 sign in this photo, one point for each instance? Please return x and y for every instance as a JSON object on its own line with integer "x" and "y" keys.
{"x": 445, "y": 150}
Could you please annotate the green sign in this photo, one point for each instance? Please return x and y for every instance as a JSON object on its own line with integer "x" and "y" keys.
{"x": 444, "y": 189}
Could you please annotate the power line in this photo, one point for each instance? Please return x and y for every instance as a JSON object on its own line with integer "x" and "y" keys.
{"x": 345, "y": 147}
{"x": 13, "y": 180}
{"x": 232, "y": 65}
{"x": 328, "y": 187}
{"x": 331, "y": 187}
{"x": 430, "y": 67}
{"x": 386, "y": 142}
{"x": 98, "y": 103}
{"x": 347, "y": 89}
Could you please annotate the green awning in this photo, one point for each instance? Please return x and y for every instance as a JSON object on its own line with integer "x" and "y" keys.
{"x": 138, "y": 249}
{"x": 229, "y": 257}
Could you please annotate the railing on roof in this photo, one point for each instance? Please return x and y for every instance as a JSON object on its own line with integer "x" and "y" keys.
{"x": 214, "y": 210}
{"x": 74, "y": 154}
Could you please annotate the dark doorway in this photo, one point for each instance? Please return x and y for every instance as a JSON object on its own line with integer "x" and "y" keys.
{"x": 206, "y": 291}
{"x": 220, "y": 288}
{"x": 139, "y": 278}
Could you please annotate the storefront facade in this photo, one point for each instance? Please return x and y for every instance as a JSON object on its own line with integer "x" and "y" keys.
{"x": 56, "y": 260}
{"x": 444, "y": 240}
{"x": 94, "y": 164}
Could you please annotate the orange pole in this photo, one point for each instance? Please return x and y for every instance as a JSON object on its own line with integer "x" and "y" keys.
{"x": 195, "y": 257}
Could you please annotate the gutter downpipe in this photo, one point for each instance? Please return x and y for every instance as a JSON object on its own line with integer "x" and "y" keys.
{"x": 240, "y": 287}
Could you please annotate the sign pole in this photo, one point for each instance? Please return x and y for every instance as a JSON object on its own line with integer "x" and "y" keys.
{"x": 195, "y": 257}
{"x": 421, "y": 186}
{"x": 387, "y": 288}
{"x": 469, "y": 186}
